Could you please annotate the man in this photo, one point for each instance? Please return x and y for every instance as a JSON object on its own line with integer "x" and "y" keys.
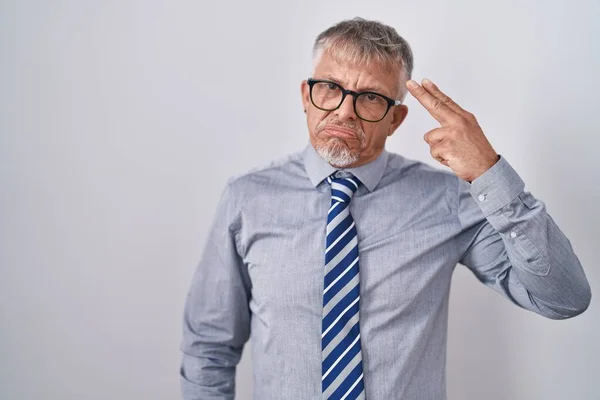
{"x": 339, "y": 258}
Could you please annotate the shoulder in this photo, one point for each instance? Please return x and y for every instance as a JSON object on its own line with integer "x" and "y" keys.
{"x": 284, "y": 170}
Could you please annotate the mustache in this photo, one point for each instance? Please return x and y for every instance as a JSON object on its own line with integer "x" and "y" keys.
{"x": 357, "y": 129}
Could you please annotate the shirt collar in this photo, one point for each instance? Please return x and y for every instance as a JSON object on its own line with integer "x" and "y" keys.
{"x": 318, "y": 169}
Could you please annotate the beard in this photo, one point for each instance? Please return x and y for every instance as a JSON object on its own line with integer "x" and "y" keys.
{"x": 336, "y": 151}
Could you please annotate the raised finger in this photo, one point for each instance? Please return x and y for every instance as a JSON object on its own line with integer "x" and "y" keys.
{"x": 443, "y": 97}
{"x": 438, "y": 110}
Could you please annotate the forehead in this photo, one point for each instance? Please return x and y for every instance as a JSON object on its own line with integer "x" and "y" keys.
{"x": 372, "y": 75}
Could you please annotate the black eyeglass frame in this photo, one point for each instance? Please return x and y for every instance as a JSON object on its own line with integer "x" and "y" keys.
{"x": 390, "y": 102}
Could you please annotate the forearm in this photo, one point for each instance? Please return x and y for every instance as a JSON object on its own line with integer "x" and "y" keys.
{"x": 216, "y": 326}
{"x": 545, "y": 264}
{"x": 540, "y": 257}
{"x": 210, "y": 376}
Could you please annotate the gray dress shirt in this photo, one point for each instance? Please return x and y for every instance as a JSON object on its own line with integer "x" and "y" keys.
{"x": 261, "y": 272}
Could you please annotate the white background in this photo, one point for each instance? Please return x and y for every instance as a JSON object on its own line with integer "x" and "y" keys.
{"x": 120, "y": 122}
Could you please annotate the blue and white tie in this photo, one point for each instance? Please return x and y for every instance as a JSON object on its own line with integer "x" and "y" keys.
{"x": 342, "y": 370}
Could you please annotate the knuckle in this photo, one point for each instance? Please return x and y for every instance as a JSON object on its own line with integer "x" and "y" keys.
{"x": 469, "y": 116}
{"x": 429, "y": 137}
{"x": 437, "y": 104}
{"x": 437, "y": 151}
{"x": 446, "y": 99}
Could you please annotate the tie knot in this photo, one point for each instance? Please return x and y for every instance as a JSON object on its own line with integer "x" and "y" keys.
{"x": 342, "y": 189}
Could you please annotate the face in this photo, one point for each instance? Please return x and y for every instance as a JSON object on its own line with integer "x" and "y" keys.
{"x": 339, "y": 136}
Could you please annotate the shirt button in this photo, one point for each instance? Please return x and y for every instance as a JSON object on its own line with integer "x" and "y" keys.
{"x": 481, "y": 197}
{"x": 513, "y": 234}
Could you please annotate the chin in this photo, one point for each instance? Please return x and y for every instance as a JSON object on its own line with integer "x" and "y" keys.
{"x": 337, "y": 152}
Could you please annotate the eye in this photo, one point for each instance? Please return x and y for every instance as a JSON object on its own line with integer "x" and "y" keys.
{"x": 331, "y": 86}
{"x": 372, "y": 97}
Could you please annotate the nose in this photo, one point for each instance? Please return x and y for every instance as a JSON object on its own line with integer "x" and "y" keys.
{"x": 346, "y": 109}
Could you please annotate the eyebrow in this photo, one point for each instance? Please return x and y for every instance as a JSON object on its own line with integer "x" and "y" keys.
{"x": 377, "y": 89}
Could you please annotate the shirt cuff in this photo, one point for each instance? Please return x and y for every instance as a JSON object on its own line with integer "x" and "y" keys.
{"x": 497, "y": 187}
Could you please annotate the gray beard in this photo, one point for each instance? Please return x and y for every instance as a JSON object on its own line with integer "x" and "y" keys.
{"x": 337, "y": 154}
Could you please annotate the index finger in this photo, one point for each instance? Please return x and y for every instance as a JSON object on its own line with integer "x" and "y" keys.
{"x": 438, "y": 94}
{"x": 438, "y": 110}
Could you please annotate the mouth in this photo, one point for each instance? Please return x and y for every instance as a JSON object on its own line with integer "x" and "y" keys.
{"x": 342, "y": 133}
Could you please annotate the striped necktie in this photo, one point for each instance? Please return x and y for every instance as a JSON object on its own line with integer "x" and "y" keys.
{"x": 342, "y": 372}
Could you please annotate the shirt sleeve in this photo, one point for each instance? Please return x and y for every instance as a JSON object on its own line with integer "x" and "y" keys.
{"x": 512, "y": 245}
{"x": 216, "y": 315}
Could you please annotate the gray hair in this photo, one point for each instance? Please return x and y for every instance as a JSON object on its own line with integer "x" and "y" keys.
{"x": 360, "y": 42}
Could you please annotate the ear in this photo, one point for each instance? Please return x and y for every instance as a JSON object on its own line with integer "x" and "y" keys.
{"x": 305, "y": 92}
{"x": 398, "y": 114}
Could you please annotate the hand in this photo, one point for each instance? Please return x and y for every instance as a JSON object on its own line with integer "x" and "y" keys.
{"x": 460, "y": 142}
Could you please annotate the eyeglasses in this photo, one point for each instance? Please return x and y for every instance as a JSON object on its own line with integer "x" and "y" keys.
{"x": 368, "y": 106}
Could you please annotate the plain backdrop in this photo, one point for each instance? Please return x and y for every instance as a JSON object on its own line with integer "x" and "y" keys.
{"x": 120, "y": 122}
